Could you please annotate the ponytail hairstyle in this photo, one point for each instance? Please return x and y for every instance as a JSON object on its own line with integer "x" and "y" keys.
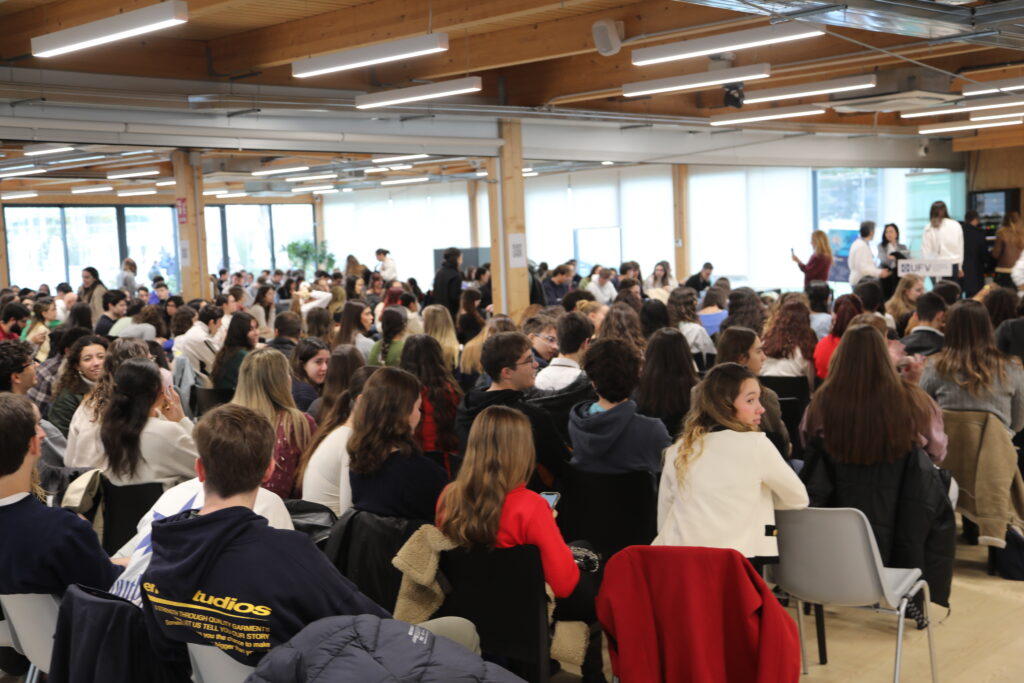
{"x": 39, "y": 309}
{"x": 499, "y": 457}
{"x": 380, "y": 421}
{"x": 137, "y": 385}
{"x": 712, "y": 407}
{"x": 392, "y": 324}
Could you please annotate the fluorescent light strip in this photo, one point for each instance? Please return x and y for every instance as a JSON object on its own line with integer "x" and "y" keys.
{"x": 312, "y": 188}
{"x": 20, "y": 195}
{"x": 960, "y": 125}
{"x": 375, "y": 170}
{"x": 974, "y": 105}
{"x": 124, "y": 25}
{"x": 404, "y": 157}
{"x": 405, "y": 181}
{"x": 135, "y": 193}
{"x": 166, "y": 183}
{"x": 712, "y": 45}
{"x": 987, "y": 116}
{"x": 371, "y": 54}
{"x": 696, "y": 81}
{"x": 527, "y": 169}
{"x": 130, "y": 174}
{"x": 531, "y": 174}
{"x": 331, "y": 191}
{"x": 400, "y": 167}
{"x": 78, "y": 159}
{"x": 607, "y": 163}
{"x": 347, "y": 189}
{"x": 15, "y": 168}
{"x": 141, "y": 151}
{"x": 992, "y": 87}
{"x": 275, "y": 171}
{"x": 212, "y": 193}
{"x": 481, "y": 174}
{"x": 811, "y": 89}
{"x": 13, "y": 174}
{"x": 92, "y": 188}
{"x": 322, "y": 176}
{"x": 417, "y": 93}
{"x": 765, "y": 115}
{"x": 37, "y": 150}
{"x": 232, "y": 195}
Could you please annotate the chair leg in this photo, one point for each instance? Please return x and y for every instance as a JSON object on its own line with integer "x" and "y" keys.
{"x": 931, "y": 642}
{"x": 993, "y": 554}
{"x": 819, "y": 625}
{"x": 901, "y": 615}
{"x": 34, "y": 675}
{"x": 800, "y": 630}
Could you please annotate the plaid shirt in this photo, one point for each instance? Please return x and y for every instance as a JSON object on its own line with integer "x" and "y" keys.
{"x": 41, "y": 392}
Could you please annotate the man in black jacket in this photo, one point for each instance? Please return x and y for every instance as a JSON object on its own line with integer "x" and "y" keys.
{"x": 287, "y": 330}
{"x": 508, "y": 360}
{"x": 927, "y": 337}
{"x": 448, "y": 282}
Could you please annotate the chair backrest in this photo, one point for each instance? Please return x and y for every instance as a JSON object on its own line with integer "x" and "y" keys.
{"x": 611, "y": 511}
{"x": 502, "y": 593}
{"x": 123, "y": 507}
{"x": 794, "y": 394}
{"x": 208, "y": 399}
{"x": 829, "y": 556}
{"x": 313, "y": 519}
{"x": 32, "y": 619}
{"x": 211, "y": 665}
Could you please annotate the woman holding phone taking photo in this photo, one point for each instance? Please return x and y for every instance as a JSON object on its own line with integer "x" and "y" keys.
{"x": 816, "y": 269}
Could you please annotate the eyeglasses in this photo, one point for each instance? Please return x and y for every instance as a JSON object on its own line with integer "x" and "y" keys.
{"x": 548, "y": 338}
{"x": 526, "y": 361}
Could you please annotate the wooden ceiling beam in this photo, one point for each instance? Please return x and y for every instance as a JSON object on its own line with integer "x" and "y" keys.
{"x": 373, "y": 22}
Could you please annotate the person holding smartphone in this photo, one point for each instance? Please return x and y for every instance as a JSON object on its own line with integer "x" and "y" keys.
{"x": 816, "y": 269}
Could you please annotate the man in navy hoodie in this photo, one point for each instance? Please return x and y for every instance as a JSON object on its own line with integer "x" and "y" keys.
{"x": 608, "y": 435}
{"x": 221, "y": 575}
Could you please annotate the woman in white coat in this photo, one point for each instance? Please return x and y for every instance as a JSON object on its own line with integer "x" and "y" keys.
{"x": 943, "y": 238}
{"x": 723, "y": 479}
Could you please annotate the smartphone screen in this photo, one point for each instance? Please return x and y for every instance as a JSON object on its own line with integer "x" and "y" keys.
{"x": 551, "y": 497}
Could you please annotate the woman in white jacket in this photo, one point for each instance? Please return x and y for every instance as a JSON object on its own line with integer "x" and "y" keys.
{"x": 943, "y": 238}
{"x": 723, "y": 479}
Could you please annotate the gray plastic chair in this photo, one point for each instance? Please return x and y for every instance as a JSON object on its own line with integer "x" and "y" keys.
{"x": 211, "y": 665}
{"x": 32, "y": 620}
{"x": 829, "y": 556}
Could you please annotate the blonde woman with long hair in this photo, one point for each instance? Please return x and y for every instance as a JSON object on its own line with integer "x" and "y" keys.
{"x": 1008, "y": 248}
{"x": 264, "y": 386}
{"x": 904, "y": 299}
{"x": 723, "y": 479}
{"x": 437, "y": 323}
{"x": 595, "y": 312}
{"x": 816, "y": 269}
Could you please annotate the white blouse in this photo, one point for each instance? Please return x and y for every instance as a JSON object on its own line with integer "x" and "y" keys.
{"x": 326, "y": 478}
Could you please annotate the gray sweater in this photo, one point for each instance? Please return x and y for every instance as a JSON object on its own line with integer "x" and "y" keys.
{"x": 1005, "y": 400}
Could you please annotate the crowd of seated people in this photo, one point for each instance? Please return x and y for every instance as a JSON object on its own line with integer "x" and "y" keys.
{"x": 356, "y": 391}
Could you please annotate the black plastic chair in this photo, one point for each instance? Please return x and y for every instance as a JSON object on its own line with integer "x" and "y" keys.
{"x": 123, "y": 507}
{"x": 794, "y": 395}
{"x": 208, "y": 399}
{"x": 611, "y": 511}
{"x": 502, "y": 593}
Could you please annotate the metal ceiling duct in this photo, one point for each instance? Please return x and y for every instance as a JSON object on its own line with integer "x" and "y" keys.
{"x": 918, "y": 18}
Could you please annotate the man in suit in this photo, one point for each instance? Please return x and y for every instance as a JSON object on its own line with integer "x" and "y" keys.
{"x": 926, "y": 337}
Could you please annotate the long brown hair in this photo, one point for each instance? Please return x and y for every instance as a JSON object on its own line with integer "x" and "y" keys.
{"x": 712, "y": 407}
{"x": 969, "y": 356}
{"x": 1014, "y": 228}
{"x": 819, "y": 240}
{"x": 344, "y": 361}
{"x": 846, "y": 308}
{"x": 791, "y": 329}
{"x": 381, "y": 420}
{"x": 682, "y": 306}
{"x": 499, "y": 457}
{"x": 622, "y": 322}
{"x": 351, "y": 322}
{"x": 423, "y": 357}
{"x": 869, "y": 413}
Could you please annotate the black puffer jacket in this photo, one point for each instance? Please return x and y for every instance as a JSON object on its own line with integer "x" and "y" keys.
{"x": 366, "y": 648}
{"x": 906, "y": 502}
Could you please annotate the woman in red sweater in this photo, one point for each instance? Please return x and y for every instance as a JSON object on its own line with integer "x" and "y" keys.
{"x": 817, "y": 268}
{"x": 423, "y": 357}
{"x": 847, "y": 307}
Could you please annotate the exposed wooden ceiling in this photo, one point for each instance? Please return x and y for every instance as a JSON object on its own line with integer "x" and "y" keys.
{"x": 531, "y": 53}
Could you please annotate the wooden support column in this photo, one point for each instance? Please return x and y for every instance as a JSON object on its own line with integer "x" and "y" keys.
{"x": 509, "y": 277}
{"x": 189, "y": 205}
{"x": 681, "y": 229}
{"x": 472, "y": 187}
{"x": 318, "y": 222}
{"x": 5, "y": 269}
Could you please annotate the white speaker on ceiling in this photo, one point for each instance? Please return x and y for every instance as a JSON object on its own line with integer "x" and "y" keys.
{"x": 607, "y": 36}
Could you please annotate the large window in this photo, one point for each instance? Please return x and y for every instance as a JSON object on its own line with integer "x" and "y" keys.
{"x": 256, "y": 236}
{"x": 152, "y": 238}
{"x": 248, "y": 237}
{"x": 292, "y": 223}
{"x": 35, "y": 245}
{"x": 214, "y": 238}
{"x": 91, "y": 236}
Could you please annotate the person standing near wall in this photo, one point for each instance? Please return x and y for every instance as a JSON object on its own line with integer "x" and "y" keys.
{"x": 92, "y": 290}
{"x": 817, "y": 267}
{"x": 944, "y": 239}
{"x": 386, "y": 267}
{"x": 448, "y": 281}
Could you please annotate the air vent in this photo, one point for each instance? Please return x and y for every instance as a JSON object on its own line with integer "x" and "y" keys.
{"x": 898, "y": 101}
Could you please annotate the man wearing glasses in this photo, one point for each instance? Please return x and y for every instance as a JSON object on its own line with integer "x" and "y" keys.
{"x": 543, "y": 339}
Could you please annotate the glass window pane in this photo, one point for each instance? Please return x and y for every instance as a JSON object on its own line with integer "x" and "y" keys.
{"x": 292, "y": 223}
{"x": 249, "y": 237}
{"x": 35, "y": 249}
{"x": 92, "y": 241}
{"x": 152, "y": 237}
{"x": 214, "y": 239}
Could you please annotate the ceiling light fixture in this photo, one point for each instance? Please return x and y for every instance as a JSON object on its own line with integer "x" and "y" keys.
{"x": 382, "y": 169}
{"x": 481, "y": 174}
{"x": 531, "y": 174}
{"x": 136, "y": 152}
{"x": 400, "y": 167}
{"x": 713, "y": 45}
{"x": 166, "y": 183}
{"x": 213, "y": 193}
{"x": 347, "y": 189}
{"x": 322, "y": 176}
{"x": 959, "y": 37}
{"x": 77, "y": 160}
{"x": 135, "y": 193}
{"x": 92, "y": 188}
{"x": 312, "y": 188}
{"x": 696, "y": 81}
{"x": 766, "y": 115}
{"x": 115, "y": 175}
{"x": 46, "y": 148}
{"x": 232, "y": 195}
{"x": 274, "y": 171}
{"x": 972, "y": 105}
{"x": 607, "y": 163}
{"x": 404, "y": 157}
{"x": 124, "y": 25}
{"x": 811, "y": 89}
{"x": 371, "y": 54}
{"x": 19, "y": 195}
{"x": 330, "y": 191}
{"x": 992, "y": 116}
{"x": 992, "y": 87}
{"x": 15, "y": 168}
{"x": 28, "y": 171}
{"x": 416, "y": 93}
{"x": 527, "y": 169}
{"x": 961, "y": 125}
{"x": 405, "y": 181}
